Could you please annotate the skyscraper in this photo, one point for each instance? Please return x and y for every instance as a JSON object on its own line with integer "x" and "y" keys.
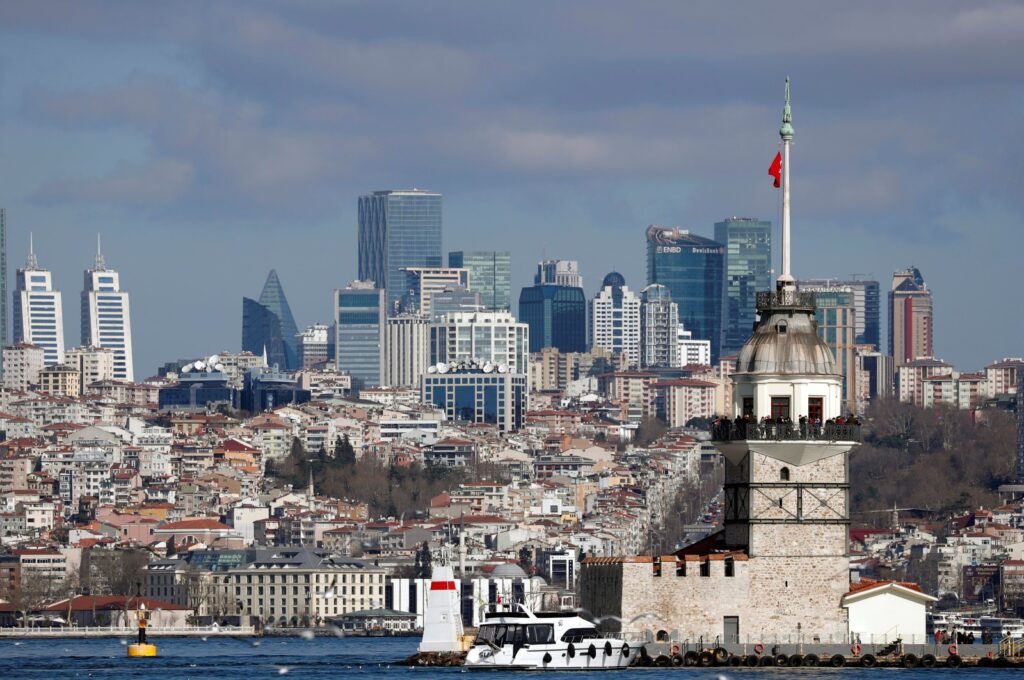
{"x": 106, "y": 315}
{"x": 910, "y": 317}
{"x": 659, "y": 327}
{"x": 556, "y": 315}
{"x": 38, "y": 312}
{"x": 398, "y": 229}
{"x": 748, "y": 265}
{"x": 866, "y": 300}
{"x": 615, "y": 318}
{"x": 4, "y": 336}
{"x": 268, "y": 326}
{"x": 407, "y": 350}
{"x": 359, "y": 313}
{"x": 836, "y": 315}
{"x": 693, "y": 268}
{"x": 490, "y": 274}
{"x": 422, "y": 283}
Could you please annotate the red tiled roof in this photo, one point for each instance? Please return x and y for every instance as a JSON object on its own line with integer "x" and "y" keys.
{"x": 193, "y": 524}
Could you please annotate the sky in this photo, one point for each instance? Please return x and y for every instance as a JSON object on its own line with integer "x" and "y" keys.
{"x": 212, "y": 141}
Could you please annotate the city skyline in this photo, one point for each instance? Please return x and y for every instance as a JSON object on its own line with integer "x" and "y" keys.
{"x": 883, "y": 186}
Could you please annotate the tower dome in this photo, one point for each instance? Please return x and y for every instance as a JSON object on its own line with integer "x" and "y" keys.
{"x": 613, "y": 279}
{"x": 785, "y": 340}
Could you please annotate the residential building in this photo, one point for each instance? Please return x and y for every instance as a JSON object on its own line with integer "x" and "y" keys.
{"x": 407, "y": 350}
{"x": 94, "y": 364}
{"x": 475, "y": 392}
{"x": 680, "y": 401}
{"x": 911, "y": 322}
{"x": 60, "y": 380}
{"x": 874, "y": 375}
{"x": 494, "y": 337}
{"x": 38, "y": 312}
{"x": 659, "y": 327}
{"x": 359, "y": 315}
{"x": 692, "y": 352}
{"x": 1002, "y": 376}
{"x": 559, "y": 273}
{"x": 693, "y": 268}
{"x": 22, "y": 364}
{"x": 748, "y": 267}
{"x": 423, "y": 282}
{"x": 312, "y": 346}
{"x": 106, "y": 316}
{"x": 556, "y": 315}
{"x": 866, "y": 301}
{"x": 268, "y": 327}
{"x": 614, "y": 318}
{"x": 490, "y": 274}
{"x": 911, "y": 377}
{"x": 398, "y": 229}
{"x": 836, "y": 315}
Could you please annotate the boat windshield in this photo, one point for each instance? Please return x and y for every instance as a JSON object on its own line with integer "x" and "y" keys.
{"x": 580, "y": 634}
{"x": 501, "y": 634}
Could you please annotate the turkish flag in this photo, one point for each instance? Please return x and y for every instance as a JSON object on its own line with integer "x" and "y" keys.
{"x": 776, "y": 170}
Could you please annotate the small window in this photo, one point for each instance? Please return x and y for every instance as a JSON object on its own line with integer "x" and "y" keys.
{"x": 705, "y": 568}
{"x": 780, "y": 502}
{"x": 681, "y": 567}
{"x": 781, "y": 328}
{"x": 784, "y": 474}
{"x": 730, "y": 566}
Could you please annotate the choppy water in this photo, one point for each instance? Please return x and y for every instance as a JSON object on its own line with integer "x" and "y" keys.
{"x": 254, "y": 659}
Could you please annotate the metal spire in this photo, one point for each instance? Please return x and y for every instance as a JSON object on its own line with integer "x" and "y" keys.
{"x": 785, "y": 280}
{"x": 32, "y": 262}
{"x": 99, "y": 265}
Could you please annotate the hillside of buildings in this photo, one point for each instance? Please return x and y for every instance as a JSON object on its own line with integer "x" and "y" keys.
{"x": 930, "y": 460}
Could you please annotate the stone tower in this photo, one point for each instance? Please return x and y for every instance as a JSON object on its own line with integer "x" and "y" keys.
{"x": 786, "y": 472}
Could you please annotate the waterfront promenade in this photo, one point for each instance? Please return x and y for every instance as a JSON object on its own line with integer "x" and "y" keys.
{"x": 84, "y": 632}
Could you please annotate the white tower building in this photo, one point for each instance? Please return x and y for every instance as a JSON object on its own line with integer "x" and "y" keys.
{"x": 38, "y": 313}
{"x": 106, "y": 317}
{"x": 659, "y": 327}
{"x": 494, "y": 337}
{"x": 406, "y": 350}
{"x": 615, "y": 318}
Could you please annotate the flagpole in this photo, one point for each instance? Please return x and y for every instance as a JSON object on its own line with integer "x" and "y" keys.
{"x": 785, "y": 280}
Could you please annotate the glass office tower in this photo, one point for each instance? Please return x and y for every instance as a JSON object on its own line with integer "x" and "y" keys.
{"x": 398, "y": 229}
{"x": 268, "y": 324}
{"x": 748, "y": 266}
{"x": 359, "y": 316}
{"x": 490, "y": 274}
{"x": 693, "y": 268}
{"x": 556, "y": 315}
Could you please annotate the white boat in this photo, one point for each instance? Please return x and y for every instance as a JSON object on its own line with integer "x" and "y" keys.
{"x": 513, "y": 637}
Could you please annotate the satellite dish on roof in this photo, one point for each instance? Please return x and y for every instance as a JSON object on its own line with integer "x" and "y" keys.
{"x": 219, "y": 367}
{"x": 442, "y": 368}
{"x": 213, "y": 360}
{"x": 199, "y": 365}
{"x": 186, "y": 368}
{"x": 488, "y": 367}
{"x": 432, "y": 369}
{"x": 502, "y": 368}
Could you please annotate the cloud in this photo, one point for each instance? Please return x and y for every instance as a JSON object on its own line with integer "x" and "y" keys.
{"x": 158, "y": 182}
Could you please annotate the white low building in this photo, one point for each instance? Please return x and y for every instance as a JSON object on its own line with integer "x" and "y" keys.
{"x": 882, "y": 611}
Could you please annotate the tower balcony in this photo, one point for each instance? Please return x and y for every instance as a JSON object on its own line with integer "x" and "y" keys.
{"x": 785, "y": 298}
{"x": 791, "y": 443}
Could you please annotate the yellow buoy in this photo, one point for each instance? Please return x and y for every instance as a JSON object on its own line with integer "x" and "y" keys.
{"x": 140, "y": 649}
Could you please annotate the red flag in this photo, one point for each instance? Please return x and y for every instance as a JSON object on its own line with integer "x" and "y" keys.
{"x": 776, "y": 170}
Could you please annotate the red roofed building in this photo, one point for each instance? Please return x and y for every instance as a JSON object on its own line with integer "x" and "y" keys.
{"x": 206, "y": 531}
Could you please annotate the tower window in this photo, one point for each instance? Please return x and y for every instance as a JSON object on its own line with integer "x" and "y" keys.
{"x": 781, "y": 328}
{"x": 784, "y": 474}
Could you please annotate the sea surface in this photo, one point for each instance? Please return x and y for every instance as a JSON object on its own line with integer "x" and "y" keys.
{"x": 323, "y": 658}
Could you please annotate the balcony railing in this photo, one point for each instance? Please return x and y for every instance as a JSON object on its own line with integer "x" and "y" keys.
{"x": 786, "y": 432}
{"x": 785, "y": 298}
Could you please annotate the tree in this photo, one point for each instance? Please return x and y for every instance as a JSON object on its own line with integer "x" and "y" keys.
{"x": 424, "y": 561}
{"x": 344, "y": 454}
{"x": 526, "y": 559}
{"x": 650, "y": 430}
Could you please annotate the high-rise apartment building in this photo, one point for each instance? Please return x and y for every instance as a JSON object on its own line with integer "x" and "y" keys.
{"x": 614, "y": 318}
{"x": 398, "y": 229}
{"x": 836, "y": 315}
{"x": 23, "y": 363}
{"x": 559, "y": 273}
{"x": 910, "y": 317}
{"x": 494, "y": 337}
{"x": 556, "y": 315}
{"x": 359, "y": 314}
{"x": 407, "y": 350}
{"x": 693, "y": 268}
{"x": 692, "y": 352}
{"x": 268, "y": 326}
{"x": 866, "y": 300}
{"x": 748, "y": 269}
{"x": 92, "y": 363}
{"x": 659, "y": 327}
{"x": 106, "y": 316}
{"x": 312, "y": 346}
{"x": 38, "y": 312}
{"x": 490, "y": 274}
{"x": 421, "y": 283}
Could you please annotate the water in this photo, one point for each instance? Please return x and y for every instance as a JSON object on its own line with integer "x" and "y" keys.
{"x": 323, "y": 658}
